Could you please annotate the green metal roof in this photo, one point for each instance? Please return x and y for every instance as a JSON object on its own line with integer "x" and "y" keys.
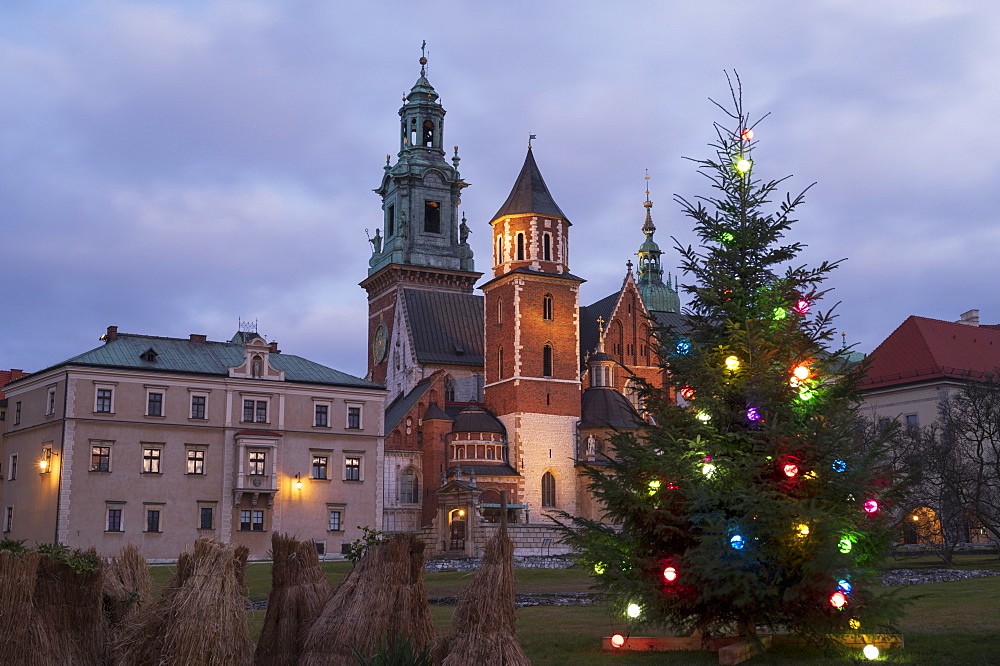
{"x": 203, "y": 358}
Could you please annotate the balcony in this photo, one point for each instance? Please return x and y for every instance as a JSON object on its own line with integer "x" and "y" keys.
{"x": 254, "y": 485}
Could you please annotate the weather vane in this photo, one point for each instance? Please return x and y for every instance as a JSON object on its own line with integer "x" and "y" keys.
{"x": 530, "y": 137}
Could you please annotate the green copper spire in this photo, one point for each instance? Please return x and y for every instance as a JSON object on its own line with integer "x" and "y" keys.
{"x": 656, "y": 295}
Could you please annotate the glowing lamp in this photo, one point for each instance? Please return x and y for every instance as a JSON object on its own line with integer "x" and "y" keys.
{"x": 44, "y": 466}
{"x": 654, "y": 485}
{"x": 778, "y": 314}
{"x": 708, "y": 470}
{"x": 845, "y": 545}
{"x": 670, "y": 574}
{"x": 753, "y": 414}
{"x": 461, "y": 512}
{"x": 870, "y": 652}
{"x": 802, "y": 306}
{"x": 743, "y": 165}
{"x": 687, "y": 393}
{"x": 854, "y": 623}
{"x": 298, "y": 482}
{"x": 802, "y": 530}
{"x": 617, "y": 641}
{"x": 791, "y": 470}
{"x": 839, "y": 465}
{"x": 914, "y": 517}
{"x": 845, "y": 586}
{"x": 838, "y": 600}
{"x": 599, "y": 568}
{"x": 703, "y": 416}
{"x": 633, "y": 611}
{"x": 732, "y": 363}
{"x": 747, "y": 134}
{"x": 801, "y": 372}
{"x": 871, "y": 506}
{"x": 736, "y": 542}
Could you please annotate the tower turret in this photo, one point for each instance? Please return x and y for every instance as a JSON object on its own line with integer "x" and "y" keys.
{"x": 656, "y": 295}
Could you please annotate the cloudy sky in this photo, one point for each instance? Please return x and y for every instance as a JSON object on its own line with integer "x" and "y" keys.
{"x": 172, "y": 167}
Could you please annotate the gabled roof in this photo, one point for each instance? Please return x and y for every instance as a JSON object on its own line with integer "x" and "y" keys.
{"x": 402, "y": 405}
{"x": 588, "y": 321}
{"x": 447, "y": 327}
{"x": 529, "y": 194}
{"x": 126, "y": 351}
{"x": 922, "y": 349}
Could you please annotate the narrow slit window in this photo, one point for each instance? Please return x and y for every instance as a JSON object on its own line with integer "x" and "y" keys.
{"x": 547, "y": 247}
{"x": 520, "y": 247}
{"x": 547, "y": 361}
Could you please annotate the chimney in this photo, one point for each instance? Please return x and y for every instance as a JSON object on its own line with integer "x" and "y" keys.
{"x": 198, "y": 337}
{"x": 969, "y": 318}
{"x": 273, "y": 347}
{"x": 111, "y": 335}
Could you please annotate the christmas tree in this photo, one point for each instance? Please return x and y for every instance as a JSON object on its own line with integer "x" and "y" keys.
{"x": 754, "y": 499}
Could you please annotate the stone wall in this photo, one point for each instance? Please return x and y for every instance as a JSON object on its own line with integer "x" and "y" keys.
{"x": 529, "y": 541}
{"x": 520, "y": 562}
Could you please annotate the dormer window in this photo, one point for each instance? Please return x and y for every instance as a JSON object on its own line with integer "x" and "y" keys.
{"x": 149, "y": 356}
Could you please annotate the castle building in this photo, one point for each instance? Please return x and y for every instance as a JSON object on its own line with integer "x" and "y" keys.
{"x": 511, "y": 390}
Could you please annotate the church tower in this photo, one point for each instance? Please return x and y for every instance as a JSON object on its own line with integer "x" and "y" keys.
{"x": 657, "y": 296}
{"x": 421, "y": 243}
{"x": 532, "y": 342}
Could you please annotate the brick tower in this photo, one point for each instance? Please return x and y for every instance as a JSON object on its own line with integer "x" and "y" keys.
{"x": 532, "y": 342}
{"x": 421, "y": 244}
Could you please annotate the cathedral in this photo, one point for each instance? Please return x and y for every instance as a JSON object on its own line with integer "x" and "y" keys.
{"x": 511, "y": 385}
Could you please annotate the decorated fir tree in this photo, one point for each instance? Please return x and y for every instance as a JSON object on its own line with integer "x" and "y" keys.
{"x": 754, "y": 500}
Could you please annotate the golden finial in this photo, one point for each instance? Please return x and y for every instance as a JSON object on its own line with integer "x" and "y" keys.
{"x": 423, "y": 58}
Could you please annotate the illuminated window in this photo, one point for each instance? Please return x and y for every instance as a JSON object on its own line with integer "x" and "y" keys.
{"x": 319, "y": 467}
{"x": 196, "y": 461}
{"x": 257, "y": 462}
{"x": 151, "y": 460}
{"x": 100, "y": 458}
{"x": 352, "y": 468}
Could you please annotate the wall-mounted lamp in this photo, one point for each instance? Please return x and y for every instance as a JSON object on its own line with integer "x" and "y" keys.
{"x": 298, "y": 481}
{"x": 45, "y": 464}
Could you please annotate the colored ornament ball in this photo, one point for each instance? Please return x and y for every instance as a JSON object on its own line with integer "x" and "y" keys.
{"x": 790, "y": 470}
{"x": 778, "y": 314}
{"x": 870, "y": 652}
{"x": 845, "y": 545}
{"x": 727, "y": 237}
{"x": 801, "y": 372}
{"x": 617, "y": 640}
{"x": 743, "y": 165}
{"x": 802, "y": 530}
{"x": 854, "y": 623}
{"x": 802, "y": 306}
{"x": 747, "y": 134}
{"x": 753, "y": 414}
{"x": 845, "y": 586}
{"x": 703, "y": 416}
{"x": 670, "y": 574}
{"x": 806, "y": 394}
{"x": 633, "y": 610}
{"x": 599, "y": 568}
{"x": 838, "y": 600}
{"x": 839, "y": 465}
{"x": 871, "y": 506}
{"x": 683, "y": 346}
{"x": 654, "y": 485}
{"x": 737, "y": 542}
{"x": 732, "y": 363}
{"x": 687, "y": 393}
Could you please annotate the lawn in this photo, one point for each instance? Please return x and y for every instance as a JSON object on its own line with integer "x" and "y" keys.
{"x": 946, "y": 623}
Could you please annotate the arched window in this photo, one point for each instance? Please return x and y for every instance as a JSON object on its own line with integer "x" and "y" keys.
{"x": 449, "y": 389}
{"x": 547, "y": 247}
{"x": 547, "y": 307}
{"x": 548, "y": 490}
{"x": 500, "y": 363}
{"x": 547, "y": 361}
{"x": 409, "y": 486}
{"x": 520, "y": 247}
{"x": 499, "y": 311}
{"x": 428, "y": 134}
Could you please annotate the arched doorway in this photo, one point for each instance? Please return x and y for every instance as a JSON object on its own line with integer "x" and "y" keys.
{"x": 922, "y": 526}
{"x": 457, "y": 521}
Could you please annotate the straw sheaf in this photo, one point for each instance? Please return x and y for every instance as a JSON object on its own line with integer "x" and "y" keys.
{"x": 383, "y": 596}
{"x": 200, "y": 618}
{"x": 69, "y": 607}
{"x": 127, "y": 586}
{"x": 21, "y": 637}
{"x": 298, "y": 593}
{"x": 485, "y": 618}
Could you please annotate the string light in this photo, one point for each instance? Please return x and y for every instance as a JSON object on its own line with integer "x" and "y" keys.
{"x": 743, "y": 165}
{"x": 809, "y": 475}
{"x": 871, "y": 506}
{"x": 727, "y": 237}
{"x": 703, "y": 416}
{"x": 747, "y": 134}
{"x": 708, "y": 469}
{"x": 802, "y": 529}
{"x": 654, "y": 485}
{"x": 791, "y": 470}
{"x": 838, "y": 600}
{"x": 633, "y": 611}
{"x": 854, "y": 623}
{"x": 599, "y": 568}
{"x": 802, "y": 306}
{"x": 753, "y": 414}
{"x": 687, "y": 393}
{"x": 670, "y": 574}
{"x": 779, "y": 314}
{"x": 617, "y": 641}
{"x": 870, "y": 652}
{"x": 845, "y": 586}
{"x": 806, "y": 394}
{"x": 845, "y": 545}
{"x": 839, "y": 465}
{"x": 737, "y": 542}
{"x": 801, "y": 372}
{"x": 732, "y": 363}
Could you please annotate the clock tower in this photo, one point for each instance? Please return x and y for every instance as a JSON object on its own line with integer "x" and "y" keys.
{"x": 421, "y": 244}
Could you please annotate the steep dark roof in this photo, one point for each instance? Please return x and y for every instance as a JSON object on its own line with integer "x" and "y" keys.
{"x": 475, "y": 419}
{"x": 922, "y": 349}
{"x": 447, "y": 327}
{"x": 529, "y": 194}
{"x": 501, "y": 469}
{"x": 435, "y": 413}
{"x": 531, "y": 271}
{"x": 127, "y": 350}
{"x": 401, "y": 406}
{"x": 605, "y": 407}
{"x": 675, "y": 321}
{"x": 588, "y": 322}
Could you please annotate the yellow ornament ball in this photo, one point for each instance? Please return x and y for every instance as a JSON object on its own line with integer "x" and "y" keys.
{"x": 732, "y": 363}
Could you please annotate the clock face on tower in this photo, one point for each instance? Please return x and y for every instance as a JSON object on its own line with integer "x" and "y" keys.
{"x": 380, "y": 341}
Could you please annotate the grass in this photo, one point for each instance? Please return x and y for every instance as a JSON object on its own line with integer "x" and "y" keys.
{"x": 947, "y": 623}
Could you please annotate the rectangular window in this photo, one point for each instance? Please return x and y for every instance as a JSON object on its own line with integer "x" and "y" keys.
{"x": 17, "y": 412}
{"x": 206, "y": 518}
{"x": 354, "y": 418}
{"x": 198, "y": 406}
{"x": 334, "y": 521}
{"x": 248, "y": 411}
{"x": 152, "y": 520}
{"x": 255, "y": 411}
{"x": 114, "y": 520}
{"x": 320, "y": 548}
{"x": 154, "y": 404}
{"x": 912, "y": 420}
{"x": 258, "y": 521}
{"x": 319, "y": 467}
{"x": 196, "y": 461}
{"x": 50, "y": 402}
{"x": 262, "y": 411}
{"x": 13, "y": 466}
{"x": 103, "y": 405}
{"x": 245, "y": 521}
{"x": 322, "y": 416}
{"x": 390, "y": 221}
{"x": 432, "y": 217}
{"x": 257, "y": 460}
{"x": 8, "y": 522}
{"x": 100, "y": 459}
{"x": 352, "y": 468}
{"x": 150, "y": 460}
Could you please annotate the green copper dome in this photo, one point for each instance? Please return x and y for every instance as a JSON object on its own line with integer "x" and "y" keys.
{"x": 657, "y": 296}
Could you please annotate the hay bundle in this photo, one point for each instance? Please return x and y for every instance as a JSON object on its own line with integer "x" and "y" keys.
{"x": 383, "y": 596}
{"x": 126, "y": 584}
{"x": 485, "y": 618}
{"x": 69, "y": 605}
{"x": 199, "y": 620}
{"x": 298, "y": 593}
{"x": 21, "y": 638}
